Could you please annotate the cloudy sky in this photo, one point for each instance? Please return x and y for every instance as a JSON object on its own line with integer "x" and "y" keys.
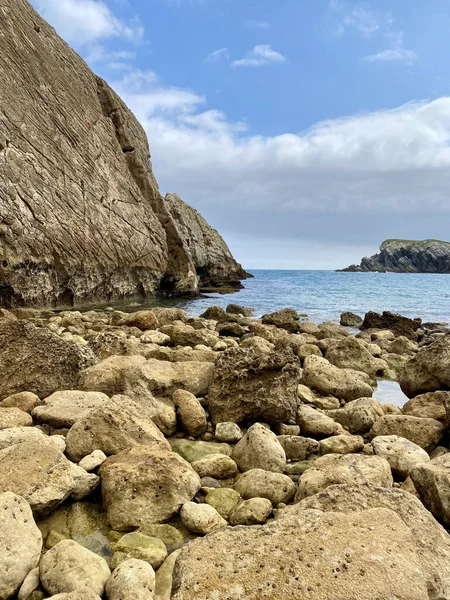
{"x": 305, "y": 131}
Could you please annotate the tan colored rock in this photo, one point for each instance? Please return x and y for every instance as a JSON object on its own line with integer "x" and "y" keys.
{"x": 19, "y": 435}
{"x": 402, "y": 454}
{"x": 145, "y": 485}
{"x": 190, "y": 412}
{"x": 254, "y": 511}
{"x": 342, "y": 444}
{"x": 172, "y": 538}
{"x": 92, "y": 461}
{"x": 64, "y": 409}
{"x": 215, "y": 465}
{"x": 68, "y": 566}
{"x": 152, "y": 550}
{"x": 430, "y": 405}
{"x": 26, "y": 401}
{"x": 82, "y": 593}
{"x": 31, "y": 583}
{"x": 20, "y": 543}
{"x": 115, "y": 425}
{"x": 240, "y": 374}
{"x": 314, "y": 422}
{"x": 201, "y": 518}
{"x": 224, "y": 500}
{"x": 349, "y": 353}
{"x": 403, "y": 345}
{"x": 193, "y": 450}
{"x": 343, "y": 468}
{"x": 328, "y": 380}
{"x": 258, "y": 344}
{"x": 164, "y": 577}
{"x": 359, "y": 415}
{"x": 297, "y": 447}
{"x": 426, "y": 433}
{"x": 429, "y": 370}
{"x": 286, "y": 318}
{"x": 432, "y": 483}
{"x": 259, "y": 449}
{"x": 257, "y": 483}
{"x": 133, "y": 578}
{"x": 14, "y": 417}
{"x": 251, "y": 562}
{"x": 143, "y": 320}
{"x": 167, "y": 315}
{"x": 228, "y": 432}
{"x": 186, "y": 335}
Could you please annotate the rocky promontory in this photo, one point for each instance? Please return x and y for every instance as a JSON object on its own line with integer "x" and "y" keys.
{"x": 407, "y": 256}
{"x": 81, "y": 215}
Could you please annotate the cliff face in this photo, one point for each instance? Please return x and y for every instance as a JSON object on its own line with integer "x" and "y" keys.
{"x": 408, "y": 256}
{"x": 81, "y": 216}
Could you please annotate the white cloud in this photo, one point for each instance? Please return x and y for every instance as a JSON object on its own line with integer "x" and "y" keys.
{"x": 365, "y": 22}
{"x": 221, "y": 53}
{"x": 257, "y": 24}
{"x": 396, "y": 52}
{"x": 260, "y": 55}
{"x": 82, "y": 22}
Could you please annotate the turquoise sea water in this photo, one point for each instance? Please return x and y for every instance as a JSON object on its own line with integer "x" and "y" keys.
{"x": 324, "y": 295}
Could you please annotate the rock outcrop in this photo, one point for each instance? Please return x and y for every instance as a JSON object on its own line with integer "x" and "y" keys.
{"x": 81, "y": 215}
{"x": 407, "y": 256}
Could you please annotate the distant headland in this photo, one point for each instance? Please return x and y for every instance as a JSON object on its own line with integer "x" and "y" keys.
{"x": 407, "y": 256}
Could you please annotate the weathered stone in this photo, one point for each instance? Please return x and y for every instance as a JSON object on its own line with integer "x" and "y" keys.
{"x": 259, "y": 449}
{"x": 133, "y": 578}
{"x": 167, "y": 315}
{"x": 143, "y": 319}
{"x": 328, "y": 380}
{"x": 257, "y": 483}
{"x": 426, "y": 433}
{"x": 254, "y": 511}
{"x": 349, "y": 319}
{"x": 287, "y": 319}
{"x": 193, "y": 450}
{"x": 164, "y": 577}
{"x": 26, "y": 401}
{"x": 228, "y": 432}
{"x": 398, "y": 324}
{"x": 155, "y": 337}
{"x": 432, "y": 482}
{"x": 115, "y": 425}
{"x": 258, "y": 344}
{"x": 171, "y": 537}
{"x": 236, "y": 309}
{"x": 224, "y": 500}
{"x": 93, "y": 460}
{"x": 19, "y": 435}
{"x": 359, "y": 415}
{"x": 430, "y": 405}
{"x": 64, "y": 409}
{"x": 216, "y": 465}
{"x": 201, "y": 518}
{"x": 138, "y": 545}
{"x": 30, "y": 584}
{"x": 145, "y": 485}
{"x": 190, "y": 412}
{"x": 342, "y": 444}
{"x": 348, "y": 353}
{"x": 402, "y": 454}
{"x": 254, "y": 386}
{"x": 344, "y": 468}
{"x": 20, "y": 543}
{"x": 186, "y": 335}
{"x": 14, "y": 417}
{"x": 314, "y": 422}
{"x": 297, "y": 447}
{"x": 68, "y": 566}
{"x": 429, "y": 370}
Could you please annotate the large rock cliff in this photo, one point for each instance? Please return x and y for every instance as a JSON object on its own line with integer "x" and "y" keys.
{"x": 408, "y": 256}
{"x": 81, "y": 215}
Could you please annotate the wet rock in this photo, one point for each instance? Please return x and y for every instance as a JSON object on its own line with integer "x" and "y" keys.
{"x": 228, "y": 432}
{"x": 430, "y": 405}
{"x": 224, "y": 500}
{"x": 349, "y": 319}
{"x": 342, "y": 444}
{"x": 133, "y": 578}
{"x": 328, "y": 380}
{"x": 64, "y": 409}
{"x": 152, "y": 550}
{"x": 216, "y": 465}
{"x": 429, "y": 370}
{"x": 26, "y": 401}
{"x": 20, "y": 543}
{"x": 190, "y": 412}
{"x": 145, "y": 485}
{"x": 201, "y": 518}
{"x": 115, "y": 425}
{"x": 193, "y": 450}
{"x": 240, "y": 376}
{"x": 426, "y": 433}
{"x": 298, "y": 447}
{"x": 348, "y": 353}
{"x": 259, "y": 449}
{"x": 314, "y": 422}
{"x": 402, "y": 454}
{"x": 257, "y": 483}
{"x": 14, "y": 417}
{"x": 251, "y": 512}
{"x": 68, "y": 566}
{"x": 344, "y": 468}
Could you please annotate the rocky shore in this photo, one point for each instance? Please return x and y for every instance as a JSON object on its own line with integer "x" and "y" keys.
{"x": 150, "y": 455}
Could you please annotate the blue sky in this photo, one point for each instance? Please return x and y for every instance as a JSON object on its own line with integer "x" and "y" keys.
{"x": 306, "y": 131}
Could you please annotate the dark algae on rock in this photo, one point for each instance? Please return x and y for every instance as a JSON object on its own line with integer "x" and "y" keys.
{"x": 407, "y": 256}
{"x": 81, "y": 215}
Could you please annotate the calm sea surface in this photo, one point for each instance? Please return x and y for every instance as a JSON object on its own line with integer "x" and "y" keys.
{"x": 324, "y": 295}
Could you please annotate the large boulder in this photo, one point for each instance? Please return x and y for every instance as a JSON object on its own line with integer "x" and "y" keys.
{"x": 349, "y": 319}
{"x": 258, "y": 483}
{"x": 133, "y": 578}
{"x": 431, "y": 541}
{"x": 402, "y": 454}
{"x": 314, "y": 554}
{"x": 432, "y": 482}
{"x": 115, "y": 425}
{"x": 288, "y": 319}
{"x": 190, "y": 413}
{"x": 36, "y": 360}
{"x": 398, "y": 324}
{"x": 430, "y": 405}
{"x": 252, "y": 386}
{"x": 259, "y": 449}
{"x": 313, "y": 422}
{"x": 328, "y": 380}
{"x": 64, "y": 409}
{"x": 349, "y": 353}
{"x": 19, "y": 435}
{"x": 358, "y": 416}
{"x": 429, "y": 370}
{"x": 20, "y": 543}
{"x": 14, "y": 417}
{"x": 145, "y": 485}
{"x": 426, "y": 433}
{"x": 344, "y": 468}
{"x": 201, "y": 518}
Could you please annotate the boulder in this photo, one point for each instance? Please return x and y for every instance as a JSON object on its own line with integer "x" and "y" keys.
{"x": 19, "y": 435}
{"x": 349, "y": 319}
{"x": 254, "y": 511}
{"x": 258, "y": 344}
{"x": 426, "y": 433}
{"x": 308, "y": 327}
{"x": 143, "y": 320}
{"x": 186, "y": 335}
{"x": 314, "y": 422}
{"x": 240, "y": 376}
{"x": 430, "y": 405}
{"x": 429, "y": 370}
{"x": 145, "y": 485}
{"x": 432, "y": 482}
{"x": 193, "y": 450}
{"x": 81, "y": 593}
{"x": 329, "y": 330}
{"x": 36, "y": 360}
{"x": 332, "y": 561}
{"x": 402, "y": 454}
{"x": 257, "y": 483}
{"x": 343, "y": 468}
{"x": 349, "y": 353}
{"x": 224, "y": 500}
{"x": 14, "y": 417}
{"x": 172, "y": 538}
{"x": 31, "y": 583}
{"x": 236, "y": 309}
{"x": 190, "y": 413}
{"x": 115, "y": 425}
{"x": 342, "y": 444}
{"x": 26, "y": 401}
{"x": 287, "y": 319}
{"x": 133, "y": 578}
{"x": 228, "y": 432}
{"x": 297, "y": 447}
{"x": 68, "y": 566}
{"x": 141, "y": 546}
{"x": 359, "y": 415}
{"x": 167, "y": 315}
{"x": 259, "y": 449}
{"x": 64, "y": 409}
{"x": 164, "y": 577}
{"x": 201, "y": 518}
{"x": 402, "y": 345}
{"x": 92, "y": 461}
{"x": 216, "y": 465}
{"x": 328, "y": 380}
{"x": 398, "y": 324}
{"x": 20, "y": 543}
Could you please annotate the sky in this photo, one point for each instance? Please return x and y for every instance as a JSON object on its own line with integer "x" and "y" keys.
{"x": 305, "y": 131}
